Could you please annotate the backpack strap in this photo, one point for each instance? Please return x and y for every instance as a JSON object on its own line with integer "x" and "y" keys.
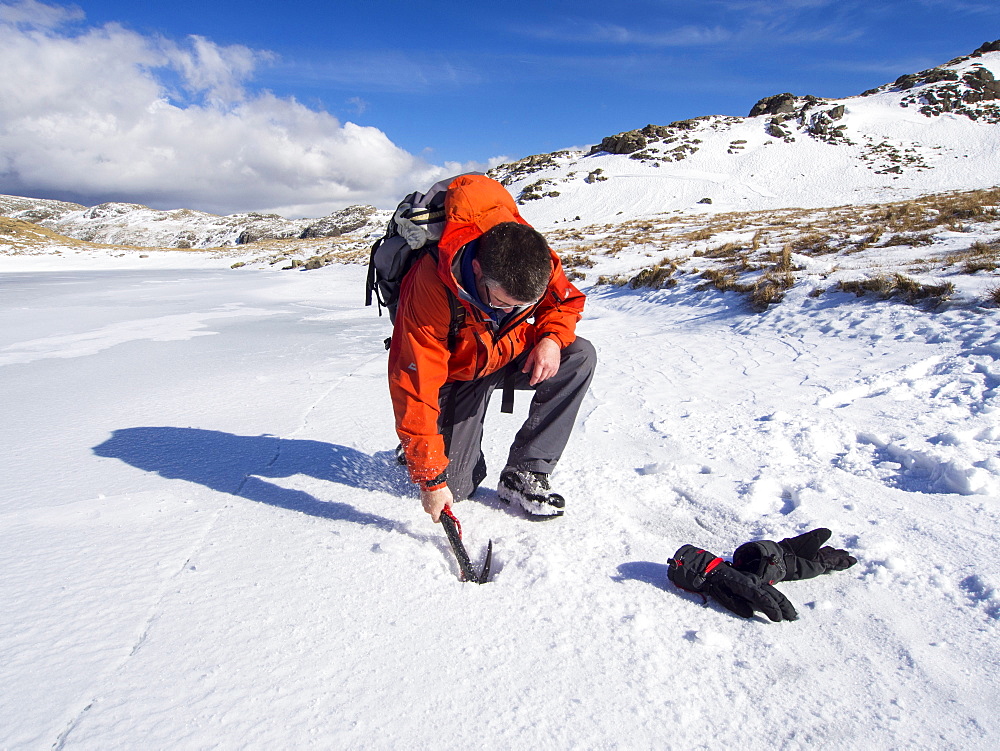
{"x": 507, "y": 402}
{"x": 457, "y": 320}
{"x": 457, "y": 311}
{"x": 370, "y": 284}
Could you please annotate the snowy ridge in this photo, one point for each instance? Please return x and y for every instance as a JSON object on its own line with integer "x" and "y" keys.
{"x": 134, "y": 225}
{"x": 906, "y": 139}
{"x": 933, "y": 131}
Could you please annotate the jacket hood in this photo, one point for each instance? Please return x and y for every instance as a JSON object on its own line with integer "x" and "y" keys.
{"x": 474, "y": 204}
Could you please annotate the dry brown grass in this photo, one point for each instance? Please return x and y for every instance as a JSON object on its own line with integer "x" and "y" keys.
{"x": 761, "y": 265}
{"x": 697, "y": 235}
{"x": 577, "y": 260}
{"x": 723, "y": 280}
{"x": 729, "y": 250}
{"x": 974, "y": 265}
{"x": 21, "y": 236}
{"x": 980, "y": 256}
{"x": 659, "y": 276}
{"x": 812, "y": 244}
{"x": 910, "y": 239}
{"x": 887, "y": 286}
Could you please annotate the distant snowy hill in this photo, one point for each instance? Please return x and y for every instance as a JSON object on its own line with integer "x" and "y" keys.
{"x": 136, "y": 225}
{"x": 933, "y": 131}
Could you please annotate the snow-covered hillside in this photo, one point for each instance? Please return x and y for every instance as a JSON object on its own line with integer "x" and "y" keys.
{"x": 929, "y": 132}
{"x": 134, "y": 225}
{"x": 934, "y": 131}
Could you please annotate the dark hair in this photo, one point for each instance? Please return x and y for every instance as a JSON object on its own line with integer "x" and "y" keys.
{"x": 516, "y": 257}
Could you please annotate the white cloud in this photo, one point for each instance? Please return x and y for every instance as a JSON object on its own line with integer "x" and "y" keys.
{"x": 218, "y": 71}
{"x": 32, "y": 13}
{"x": 608, "y": 33}
{"x": 105, "y": 113}
{"x": 358, "y": 104}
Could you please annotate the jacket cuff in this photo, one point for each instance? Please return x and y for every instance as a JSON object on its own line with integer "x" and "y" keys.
{"x": 437, "y": 483}
{"x": 551, "y": 335}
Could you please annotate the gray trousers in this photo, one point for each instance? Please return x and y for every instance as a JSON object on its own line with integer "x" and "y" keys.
{"x": 543, "y": 436}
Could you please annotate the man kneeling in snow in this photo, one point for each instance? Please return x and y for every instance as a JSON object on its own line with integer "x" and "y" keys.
{"x": 494, "y": 308}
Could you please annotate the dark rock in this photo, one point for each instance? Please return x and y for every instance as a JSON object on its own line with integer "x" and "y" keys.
{"x": 987, "y": 47}
{"x": 112, "y": 209}
{"x": 936, "y": 75}
{"x": 687, "y": 124}
{"x": 339, "y": 222}
{"x": 774, "y": 105}
{"x": 775, "y": 130}
{"x": 978, "y": 76}
{"x": 933, "y": 75}
{"x": 658, "y": 132}
{"x": 623, "y": 143}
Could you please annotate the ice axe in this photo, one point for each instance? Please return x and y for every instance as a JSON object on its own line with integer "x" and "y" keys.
{"x": 453, "y": 529}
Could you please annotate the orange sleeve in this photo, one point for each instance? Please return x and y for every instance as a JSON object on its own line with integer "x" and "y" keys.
{"x": 418, "y": 368}
{"x": 560, "y": 309}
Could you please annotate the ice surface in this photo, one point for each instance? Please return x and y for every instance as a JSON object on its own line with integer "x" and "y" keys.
{"x": 205, "y": 541}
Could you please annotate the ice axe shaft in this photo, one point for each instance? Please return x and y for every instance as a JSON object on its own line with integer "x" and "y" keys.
{"x": 453, "y": 529}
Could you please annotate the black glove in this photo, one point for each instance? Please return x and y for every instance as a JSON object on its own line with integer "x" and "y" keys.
{"x": 697, "y": 570}
{"x": 791, "y": 559}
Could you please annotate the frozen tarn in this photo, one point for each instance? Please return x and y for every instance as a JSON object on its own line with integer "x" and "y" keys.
{"x": 205, "y": 541}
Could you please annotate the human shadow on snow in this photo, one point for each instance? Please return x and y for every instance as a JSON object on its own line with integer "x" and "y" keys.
{"x": 238, "y": 465}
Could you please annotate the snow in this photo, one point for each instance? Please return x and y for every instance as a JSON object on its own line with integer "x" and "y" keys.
{"x": 206, "y": 542}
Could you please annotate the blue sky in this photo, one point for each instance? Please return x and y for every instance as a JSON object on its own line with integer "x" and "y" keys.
{"x": 431, "y": 86}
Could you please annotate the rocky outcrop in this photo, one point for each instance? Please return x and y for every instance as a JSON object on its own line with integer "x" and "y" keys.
{"x": 655, "y": 144}
{"x": 987, "y": 47}
{"x": 821, "y": 125}
{"x": 35, "y": 209}
{"x": 779, "y": 104}
{"x": 339, "y": 222}
{"x": 632, "y": 141}
{"x": 962, "y": 86}
{"x": 132, "y": 224}
{"x": 623, "y": 143}
{"x": 970, "y": 94}
{"x": 983, "y": 86}
{"x": 789, "y": 114}
{"x": 514, "y": 171}
{"x": 933, "y": 75}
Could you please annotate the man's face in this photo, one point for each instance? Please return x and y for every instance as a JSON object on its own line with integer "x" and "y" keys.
{"x": 498, "y": 299}
{"x": 493, "y": 294}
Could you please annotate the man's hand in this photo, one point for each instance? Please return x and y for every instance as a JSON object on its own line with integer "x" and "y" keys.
{"x": 434, "y": 501}
{"x": 543, "y": 361}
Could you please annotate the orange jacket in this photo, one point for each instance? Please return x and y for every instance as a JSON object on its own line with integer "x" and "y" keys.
{"x": 420, "y": 362}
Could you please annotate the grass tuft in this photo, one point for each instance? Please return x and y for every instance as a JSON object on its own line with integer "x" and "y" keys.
{"x": 887, "y": 286}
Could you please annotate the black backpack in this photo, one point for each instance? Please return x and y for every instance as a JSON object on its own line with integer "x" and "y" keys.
{"x": 414, "y": 229}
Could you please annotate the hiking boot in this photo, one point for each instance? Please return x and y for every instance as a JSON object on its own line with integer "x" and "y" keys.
{"x": 532, "y": 491}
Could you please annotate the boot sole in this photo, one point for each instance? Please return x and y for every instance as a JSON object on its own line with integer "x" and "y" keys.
{"x": 532, "y": 516}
